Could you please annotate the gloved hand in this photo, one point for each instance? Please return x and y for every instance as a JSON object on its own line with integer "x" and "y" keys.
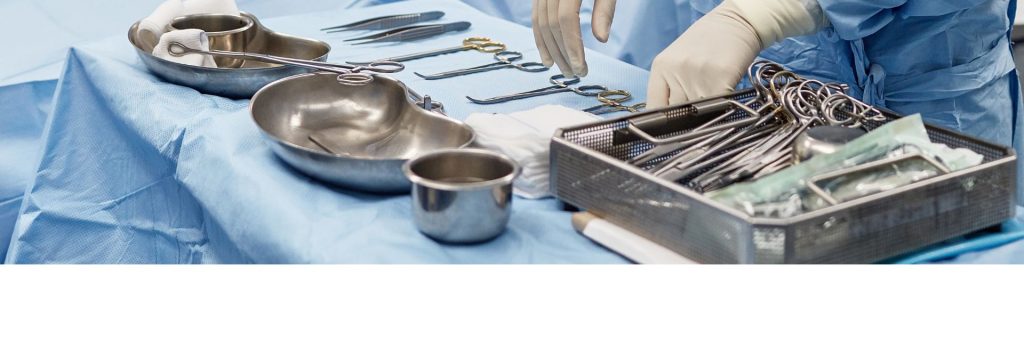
{"x": 713, "y": 55}
{"x": 556, "y": 29}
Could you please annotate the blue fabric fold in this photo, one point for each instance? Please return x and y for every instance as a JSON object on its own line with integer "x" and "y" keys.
{"x": 136, "y": 170}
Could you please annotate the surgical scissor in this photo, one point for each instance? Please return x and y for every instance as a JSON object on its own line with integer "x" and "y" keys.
{"x": 481, "y": 44}
{"x": 612, "y": 101}
{"x": 505, "y": 59}
{"x": 561, "y": 84}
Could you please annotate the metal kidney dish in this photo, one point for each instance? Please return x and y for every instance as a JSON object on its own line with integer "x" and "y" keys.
{"x": 248, "y": 77}
{"x": 354, "y": 136}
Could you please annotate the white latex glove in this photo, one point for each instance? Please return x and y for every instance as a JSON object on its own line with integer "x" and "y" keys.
{"x": 712, "y": 56}
{"x": 556, "y": 29}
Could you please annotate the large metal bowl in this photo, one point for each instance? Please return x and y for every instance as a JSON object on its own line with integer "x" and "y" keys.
{"x": 240, "y": 82}
{"x": 374, "y": 128}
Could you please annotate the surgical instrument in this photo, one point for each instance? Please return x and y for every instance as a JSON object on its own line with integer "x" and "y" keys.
{"x": 505, "y": 59}
{"x": 669, "y": 145}
{"x": 482, "y": 44}
{"x": 612, "y": 101}
{"x": 561, "y": 83}
{"x": 347, "y": 73}
{"x": 411, "y": 33}
{"x": 686, "y": 163}
{"x": 386, "y": 22}
{"x": 787, "y": 106}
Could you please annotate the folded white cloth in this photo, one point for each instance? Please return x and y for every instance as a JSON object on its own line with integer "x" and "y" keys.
{"x": 154, "y": 26}
{"x": 210, "y": 7}
{"x": 526, "y": 138}
{"x": 191, "y": 38}
{"x": 157, "y": 23}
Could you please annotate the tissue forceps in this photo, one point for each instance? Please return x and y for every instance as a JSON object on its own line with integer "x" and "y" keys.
{"x": 482, "y": 44}
{"x": 612, "y": 101}
{"x": 349, "y": 74}
{"x": 387, "y": 22}
{"x": 561, "y": 83}
{"x": 411, "y": 33}
{"x": 505, "y": 59}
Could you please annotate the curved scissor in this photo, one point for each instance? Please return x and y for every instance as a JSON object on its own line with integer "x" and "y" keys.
{"x": 506, "y": 59}
{"x": 482, "y": 44}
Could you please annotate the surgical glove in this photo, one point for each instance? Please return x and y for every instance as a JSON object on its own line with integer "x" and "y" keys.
{"x": 556, "y": 30}
{"x": 712, "y": 56}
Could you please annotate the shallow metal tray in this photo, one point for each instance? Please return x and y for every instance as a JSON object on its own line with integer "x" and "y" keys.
{"x": 236, "y": 82}
{"x": 588, "y": 171}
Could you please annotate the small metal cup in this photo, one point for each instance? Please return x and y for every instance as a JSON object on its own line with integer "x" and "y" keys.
{"x": 226, "y": 33}
{"x": 462, "y": 195}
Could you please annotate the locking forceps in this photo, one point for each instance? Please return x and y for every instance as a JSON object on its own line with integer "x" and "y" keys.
{"x": 562, "y": 84}
{"x": 482, "y": 44}
{"x": 506, "y": 59}
{"x": 665, "y": 146}
{"x": 349, "y": 74}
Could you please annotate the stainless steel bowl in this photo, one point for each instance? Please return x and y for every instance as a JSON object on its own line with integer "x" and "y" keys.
{"x": 226, "y": 33}
{"x": 240, "y": 82}
{"x": 462, "y": 195}
{"x": 371, "y": 129}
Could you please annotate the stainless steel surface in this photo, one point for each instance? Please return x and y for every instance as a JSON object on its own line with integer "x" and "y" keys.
{"x": 506, "y": 59}
{"x": 241, "y": 82}
{"x": 463, "y": 195}
{"x": 412, "y": 33}
{"x": 590, "y": 170}
{"x": 482, "y": 44}
{"x": 823, "y": 140}
{"x": 369, "y": 130}
{"x": 562, "y": 84}
{"x": 386, "y": 22}
{"x": 225, "y": 32}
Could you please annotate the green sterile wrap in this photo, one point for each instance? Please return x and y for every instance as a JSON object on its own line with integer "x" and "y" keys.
{"x": 785, "y": 194}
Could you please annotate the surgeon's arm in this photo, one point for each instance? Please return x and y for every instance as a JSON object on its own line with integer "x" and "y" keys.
{"x": 712, "y": 56}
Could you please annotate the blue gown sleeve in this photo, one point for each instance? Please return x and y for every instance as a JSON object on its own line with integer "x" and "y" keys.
{"x": 856, "y": 19}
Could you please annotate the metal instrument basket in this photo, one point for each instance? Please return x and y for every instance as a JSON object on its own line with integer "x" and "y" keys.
{"x": 588, "y": 170}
